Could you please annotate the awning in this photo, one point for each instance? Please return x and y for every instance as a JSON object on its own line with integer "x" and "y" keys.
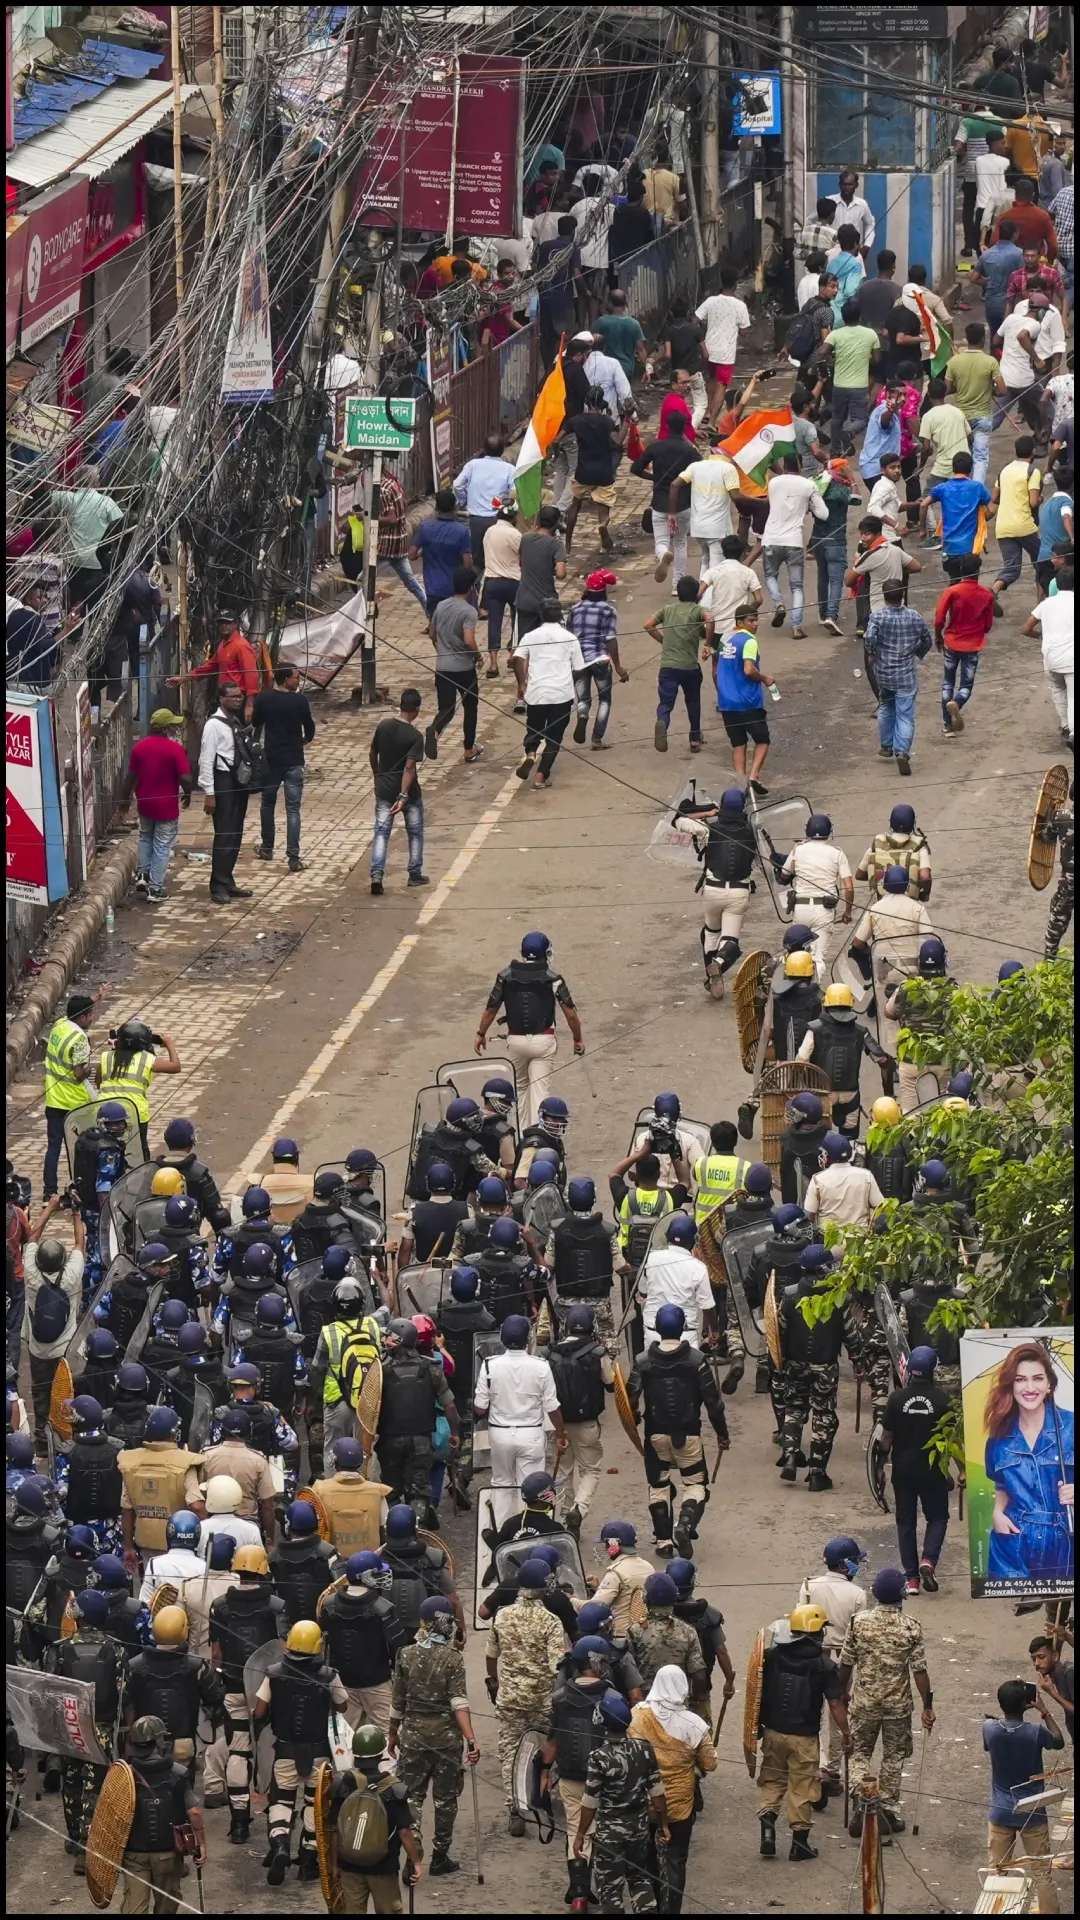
{"x": 53, "y": 91}
{"x": 93, "y": 137}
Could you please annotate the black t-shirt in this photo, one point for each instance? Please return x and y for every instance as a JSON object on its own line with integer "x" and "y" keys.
{"x": 578, "y": 386}
{"x": 396, "y": 742}
{"x": 631, "y": 229}
{"x": 663, "y": 460}
{"x": 684, "y": 338}
{"x": 398, "y": 1815}
{"x": 876, "y": 299}
{"x": 597, "y": 455}
{"x": 285, "y": 721}
{"x": 900, "y": 319}
{"x": 911, "y": 1415}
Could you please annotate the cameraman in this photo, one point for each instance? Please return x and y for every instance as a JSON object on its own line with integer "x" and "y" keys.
{"x": 1016, "y": 1747}
{"x": 675, "y": 1146}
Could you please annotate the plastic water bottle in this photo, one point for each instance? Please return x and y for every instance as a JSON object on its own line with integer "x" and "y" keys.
{"x": 110, "y": 920}
{"x": 774, "y": 692}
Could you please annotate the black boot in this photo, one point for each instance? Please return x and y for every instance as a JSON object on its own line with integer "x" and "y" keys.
{"x": 855, "y": 1824}
{"x": 892, "y": 1822}
{"x": 307, "y": 1867}
{"x": 578, "y": 1891}
{"x": 761, "y": 1380}
{"x": 789, "y": 1466}
{"x": 660, "y": 1515}
{"x": 442, "y": 1863}
{"x": 239, "y": 1829}
{"x": 277, "y": 1860}
{"x": 767, "y": 1847}
{"x": 800, "y": 1848}
{"x": 817, "y": 1481}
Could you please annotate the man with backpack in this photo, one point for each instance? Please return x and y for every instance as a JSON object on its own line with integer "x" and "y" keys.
{"x": 232, "y": 766}
{"x": 370, "y": 1821}
{"x": 53, "y": 1285}
{"x": 584, "y": 1374}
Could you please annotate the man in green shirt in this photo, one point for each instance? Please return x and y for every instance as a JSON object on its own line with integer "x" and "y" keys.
{"x": 974, "y": 376}
{"x": 622, "y": 335}
{"x": 852, "y": 348}
{"x": 684, "y": 630}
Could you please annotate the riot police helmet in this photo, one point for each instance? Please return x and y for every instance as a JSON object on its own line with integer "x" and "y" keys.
{"x": 464, "y": 1283}
{"x": 255, "y": 1203}
{"x": 895, "y": 879}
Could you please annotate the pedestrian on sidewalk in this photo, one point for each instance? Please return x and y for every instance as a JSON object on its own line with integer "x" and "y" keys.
{"x": 453, "y": 634}
{"x": 545, "y": 662}
{"x": 397, "y": 750}
{"x": 483, "y": 481}
{"x": 683, "y": 630}
{"x": 67, "y": 1070}
{"x": 740, "y": 694}
{"x": 160, "y": 778}
{"x": 1017, "y": 494}
{"x": 964, "y": 617}
{"x": 502, "y": 578}
{"x": 282, "y": 715}
{"x": 662, "y": 461}
{"x": 394, "y": 532}
{"x": 896, "y": 639}
{"x": 725, "y": 317}
{"x": 225, "y": 799}
{"x": 442, "y": 544}
{"x": 600, "y": 443}
{"x": 791, "y": 496}
{"x": 594, "y": 621}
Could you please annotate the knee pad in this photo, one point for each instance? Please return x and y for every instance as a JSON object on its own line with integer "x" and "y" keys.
{"x": 728, "y": 951}
{"x": 695, "y": 1479}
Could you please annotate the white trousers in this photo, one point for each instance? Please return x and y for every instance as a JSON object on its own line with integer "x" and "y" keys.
{"x": 820, "y": 922}
{"x": 699, "y": 399}
{"x": 663, "y": 538}
{"x": 1061, "y": 693}
{"x": 712, "y": 552}
{"x": 724, "y": 909}
{"x": 515, "y": 1453}
{"x": 533, "y": 1055}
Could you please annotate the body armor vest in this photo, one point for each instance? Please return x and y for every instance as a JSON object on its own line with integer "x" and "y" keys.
{"x": 316, "y": 1311}
{"x": 670, "y": 1389}
{"x": 241, "y": 1622}
{"x": 356, "y": 1638}
{"x": 408, "y": 1397}
{"x": 274, "y": 1353}
{"x": 165, "y": 1681}
{"x": 474, "y": 1238}
{"x": 91, "y": 1658}
{"x": 68, "y": 1576}
{"x": 793, "y": 1010}
{"x": 434, "y": 1224}
{"x": 160, "y": 1805}
{"x": 838, "y": 1050}
{"x": 126, "y": 1309}
{"x": 909, "y": 850}
{"x": 300, "y": 1700}
{"x": 301, "y": 1572}
{"x": 729, "y": 855}
{"x": 540, "y": 1139}
{"x": 160, "y": 1352}
{"x": 316, "y": 1229}
{"x": 572, "y": 1710}
{"x": 417, "y": 1572}
{"x": 263, "y": 1437}
{"x": 450, "y": 1145}
{"x": 94, "y": 1484}
{"x": 200, "y": 1183}
{"x": 703, "y": 1618}
{"x": 249, "y": 1234}
{"x": 125, "y": 1616}
{"x": 891, "y": 1172}
{"x": 577, "y": 1365}
{"x": 779, "y": 1255}
{"x": 182, "y": 1381}
{"x": 459, "y": 1321}
{"x": 98, "y": 1163}
{"x": 98, "y": 1379}
{"x": 800, "y": 1146}
{"x": 818, "y": 1345}
{"x": 584, "y": 1263}
{"x": 528, "y": 993}
{"x": 502, "y": 1282}
{"x": 788, "y": 1690}
{"x": 126, "y": 1420}
{"x": 918, "y": 1304}
{"x": 180, "y": 1285}
{"x": 30, "y": 1545}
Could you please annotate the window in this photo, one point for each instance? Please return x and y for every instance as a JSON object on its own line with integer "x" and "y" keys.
{"x": 854, "y": 126}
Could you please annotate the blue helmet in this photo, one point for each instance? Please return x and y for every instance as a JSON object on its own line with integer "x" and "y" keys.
{"x": 154, "y": 1254}
{"x": 667, "y": 1106}
{"x": 101, "y": 1345}
{"x": 132, "y": 1378}
{"x": 933, "y": 958}
{"x": 20, "y": 1449}
{"x": 259, "y": 1260}
{"x": 733, "y": 800}
{"x": 1009, "y": 969}
{"x": 361, "y": 1160}
{"x": 514, "y": 1331}
{"x": 580, "y": 1319}
{"x": 191, "y": 1338}
{"x": 581, "y": 1195}
{"x": 613, "y": 1712}
{"x": 464, "y": 1283}
{"x": 895, "y": 879}
{"x": 936, "y": 1173}
{"x": 962, "y": 1085}
{"x": 285, "y": 1148}
{"x": 180, "y": 1135}
{"x": 500, "y": 1094}
{"x": 534, "y": 1576}
{"x": 90, "y": 1605}
{"x": 837, "y": 1147}
{"x": 400, "y": 1521}
{"x": 889, "y": 1586}
{"x": 619, "y": 1534}
{"x": 491, "y": 1192}
{"x": 922, "y": 1360}
{"x": 806, "y": 1106}
{"x": 243, "y": 1371}
{"x": 349, "y": 1456}
{"x": 535, "y": 946}
{"x": 335, "y": 1262}
{"x": 182, "y": 1529}
{"x": 538, "y": 1489}
{"x": 463, "y": 1112}
{"x": 759, "y": 1178}
{"x": 222, "y": 1548}
{"x": 554, "y": 1113}
{"x": 161, "y": 1423}
{"x": 797, "y": 937}
{"x": 815, "y": 1259}
{"x": 110, "y": 1572}
{"x": 327, "y": 1183}
{"x": 785, "y": 1217}
{"x": 255, "y": 1203}
{"x": 174, "y": 1315}
{"x": 660, "y": 1591}
{"x": 594, "y": 1616}
{"x": 670, "y": 1322}
{"x": 504, "y": 1232}
{"x": 543, "y": 1172}
{"x": 365, "y": 1569}
{"x": 545, "y": 1550}
{"x": 182, "y": 1210}
{"x": 270, "y": 1309}
{"x": 440, "y": 1177}
{"x": 81, "y": 1543}
{"x": 680, "y": 1231}
{"x": 682, "y": 1573}
{"x": 902, "y": 818}
{"x": 819, "y": 827}
{"x": 302, "y": 1518}
{"x": 87, "y": 1410}
{"x": 844, "y": 1554}
{"x": 235, "y": 1421}
{"x": 111, "y": 1113}
{"x": 591, "y": 1650}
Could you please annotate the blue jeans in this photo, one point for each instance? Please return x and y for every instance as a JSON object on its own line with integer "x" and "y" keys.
{"x": 293, "y": 782}
{"x": 669, "y": 683}
{"x": 54, "y": 1146}
{"x": 155, "y": 846}
{"x": 772, "y": 561}
{"x": 896, "y": 719}
{"x": 597, "y": 674}
{"x": 981, "y": 427}
{"x": 407, "y": 577}
{"x": 957, "y": 680}
{"x": 414, "y": 826}
{"x": 831, "y": 557}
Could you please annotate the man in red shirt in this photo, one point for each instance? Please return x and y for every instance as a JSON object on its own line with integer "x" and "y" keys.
{"x": 677, "y": 401}
{"x": 234, "y": 660}
{"x": 159, "y": 776}
{"x": 964, "y": 617}
{"x": 1034, "y": 227}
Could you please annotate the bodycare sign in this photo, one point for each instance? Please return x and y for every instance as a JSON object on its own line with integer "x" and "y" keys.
{"x": 52, "y": 282}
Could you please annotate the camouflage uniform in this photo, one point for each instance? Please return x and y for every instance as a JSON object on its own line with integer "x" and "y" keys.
{"x": 810, "y": 1391}
{"x": 884, "y": 1646}
{"x": 428, "y": 1685}
{"x": 622, "y": 1778}
{"x": 869, "y": 1343}
{"x": 1061, "y": 828}
{"x": 80, "y": 1781}
{"x": 528, "y": 1641}
{"x": 664, "y": 1641}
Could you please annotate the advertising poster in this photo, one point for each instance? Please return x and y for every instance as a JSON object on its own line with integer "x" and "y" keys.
{"x": 1018, "y": 1447}
{"x": 248, "y": 370}
{"x": 470, "y": 133}
{"x": 84, "y": 758}
{"x": 440, "y": 367}
{"x": 34, "y": 839}
{"x": 52, "y": 277}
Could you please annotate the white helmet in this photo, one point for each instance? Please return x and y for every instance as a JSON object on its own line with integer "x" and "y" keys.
{"x": 223, "y": 1493}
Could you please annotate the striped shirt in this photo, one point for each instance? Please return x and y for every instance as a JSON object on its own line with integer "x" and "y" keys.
{"x": 595, "y": 623}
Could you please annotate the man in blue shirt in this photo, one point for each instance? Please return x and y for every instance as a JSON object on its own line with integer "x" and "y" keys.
{"x": 444, "y": 544}
{"x": 740, "y": 695}
{"x": 995, "y": 269}
{"x": 882, "y": 432}
{"x": 482, "y": 483}
{"x": 959, "y": 499}
{"x": 1016, "y": 1764}
{"x": 896, "y": 639}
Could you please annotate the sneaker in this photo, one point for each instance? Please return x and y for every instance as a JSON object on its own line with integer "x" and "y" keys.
{"x": 758, "y": 790}
{"x": 955, "y": 715}
{"x": 903, "y": 763}
{"x": 377, "y": 889}
{"x": 431, "y": 744}
{"x": 833, "y": 626}
{"x": 581, "y": 728}
{"x": 663, "y": 565}
{"x": 155, "y": 894}
{"x": 928, "y": 1576}
{"x": 519, "y": 706}
{"x": 947, "y": 733}
{"x": 885, "y": 753}
{"x": 264, "y": 853}
{"x": 779, "y": 617}
{"x": 142, "y": 882}
{"x": 525, "y": 766}
{"x": 659, "y": 738}
{"x": 931, "y": 544}
{"x": 418, "y": 880}
{"x": 913, "y": 1585}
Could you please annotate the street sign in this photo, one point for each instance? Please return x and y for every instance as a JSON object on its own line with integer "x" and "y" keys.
{"x": 757, "y": 104}
{"x": 860, "y": 25}
{"x": 368, "y": 426}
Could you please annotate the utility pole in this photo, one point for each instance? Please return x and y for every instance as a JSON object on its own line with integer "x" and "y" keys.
{"x": 183, "y": 623}
{"x": 787, "y": 183}
{"x": 369, "y": 692}
{"x": 710, "y": 145}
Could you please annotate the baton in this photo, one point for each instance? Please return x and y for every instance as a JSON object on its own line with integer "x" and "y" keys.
{"x": 858, "y": 1403}
{"x": 960, "y": 1485}
{"x": 847, "y": 1788}
{"x": 720, "y": 1452}
{"x": 476, "y": 1825}
{"x": 588, "y": 1076}
{"x": 199, "y": 1885}
{"x": 412, "y": 1897}
{"x": 720, "y": 1716}
{"x": 918, "y": 1790}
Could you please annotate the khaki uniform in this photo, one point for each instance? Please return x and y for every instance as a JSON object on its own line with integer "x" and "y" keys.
{"x": 847, "y": 1195}
{"x": 528, "y": 1641}
{"x": 621, "y": 1587}
{"x": 249, "y": 1469}
{"x": 884, "y": 1647}
{"x": 355, "y": 1509}
{"x": 897, "y": 925}
{"x": 197, "y": 1596}
{"x": 146, "y": 1875}
{"x": 159, "y": 1478}
{"x": 839, "y": 1599}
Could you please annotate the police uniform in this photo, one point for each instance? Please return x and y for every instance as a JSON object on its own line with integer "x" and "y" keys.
{"x": 584, "y": 1375}
{"x": 621, "y": 1589}
{"x": 917, "y": 1303}
{"x": 836, "y": 1043}
{"x": 896, "y": 926}
{"x": 884, "y": 1646}
{"x": 816, "y": 871}
{"x": 300, "y": 1690}
{"x": 362, "y": 1878}
{"x": 674, "y": 1382}
{"x": 414, "y": 1390}
{"x": 419, "y": 1570}
{"x": 249, "y": 1469}
{"x": 240, "y": 1621}
{"x": 622, "y": 1779}
{"x": 671, "y": 1276}
{"x": 528, "y": 1642}
{"x": 517, "y": 1392}
{"x": 798, "y": 1679}
{"x": 907, "y": 1012}
{"x": 428, "y": 1689}
{"x": 176, "y": 1686}
{"x": 664, "y": 1641}
{"x": 527, "y": 992}
{"x": 580, "y": 1255}
{"x": 800, "y": 1156}
{"x": 811, "y": 1373}
{"x": 717, "y": 1178}
{"x": 847, "y": 1195}
{"x": 889, "y": 849}
{"x": 459, "y": 1323}
{"x": 1061, "y": 827}
{"x": 90, "y": 1655}
{"x": 839, "y": 1599}
{"x": 150, "y": 1863}
{"x": 355, "y": 1506}
{"x": 794, "y": 1003}
{"x": 708, "y": 1623}
{"x": 726, "y": 845}
{"x": 196, "y": 1594}
{"x": 363, "y": 1636}
{"x": 570, "y": 1726}
{"x": 93, "y": 1487}
{"x": 159, "y": 1479}
{"x": 301, "y": 1570}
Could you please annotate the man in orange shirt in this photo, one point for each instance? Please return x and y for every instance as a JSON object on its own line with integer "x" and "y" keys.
{"x": 964, "y": 617}
{"x": 234, "y": 660}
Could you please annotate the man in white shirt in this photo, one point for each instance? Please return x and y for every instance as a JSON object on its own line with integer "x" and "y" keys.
{"x": 820, "y": 875}
{"x": 593, "y": 215}
{"x": 224, "y": 798}
{"x": 516, "y": 1390}
{"x": 671, "y": 1275}
{"x": 992, "y": 195}
{"x": 1050, "y": 338}
{"x": 725, "y": 318}
{"x": 604, "y": 371}
{"x": 848, "y": 1196}
{"x": 728, "y": 586}
{"x": 884, "y": 498}
{"x": 792, "y": 495}
{"x": 852, "y": 211}
{"x": 49, "y": 1263}
{"x": 545, "y": 662}
{"x": 1054, "y": 619}
{"x": 712, "y": 482}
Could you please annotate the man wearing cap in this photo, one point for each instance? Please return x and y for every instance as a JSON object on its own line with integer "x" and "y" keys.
{"x": 160, "y": 778}
{"x": 234, "y": 660}
{"x": 907, "y": 1429}
{"x": 594, "y": 622}
{"x": 67, "y": 1070}
{"x": 516, "y": 1390}
{"x": 234, "y": 1454}
{"x": 884, "y": 1650}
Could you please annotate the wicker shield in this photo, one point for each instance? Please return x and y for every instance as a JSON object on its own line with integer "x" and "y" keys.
{"x": 331, "y": 1887}
{"x": 326, "y": 1531}
{"x": 772, "y": 1326}
{"x": 755, "y": 1668}
{"x": 369, "y": 1401}
{"x": 336, "y": 1586}
{"x": 109, "y": 1831}
{"x": 433, "y": 1540}
{"x": 711, "y": 1231}
{"x": 69, "y": 1623}
{"x": 639, "y": 1611}
{"x": 1042, "y": 854}
{"x": 63, "y": 1387}
{"x": 779, "y": 1083}
{"x": 625, "y": 1411}
{"x": 750, "y": 992}
{"x": 164, "y": 1596}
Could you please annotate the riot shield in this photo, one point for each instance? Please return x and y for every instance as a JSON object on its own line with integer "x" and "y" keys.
{"x": 895, "y": 1338}
{"x": 81, "y": 1119}
{"x": 148, "y": 1222}
{"x": 529, "y": 1802}
{"x": 750, "y": 993}
{"x": 378, "y": 1178}
{"x": 52, "y": 1714}
{"x": 755, "y": 1673}
{"x": 455, "y": 1079}
{"x": 421, "y": 1288}
{"x": 672, "y": 846}
{"x": 134, "y": 1348}
{"x": 256, "y": 1669}
{"x": 778, "y": 826}
{"x": 75, "y": 1354}
{"x": 306, "y": 1272}
{"x": 698, "y": 1129}
{"x": 107, "y": 1839}
{"x": 625, "y": 1410}
{"x": 737, "y": 1249}
{"x": 484, "y": 1581}
{"x": 569, "y": 1574}
{"x": 779, "y": 1082}
{"x": 116, "y": 1232}
{"x": 202, "y": 1418}
{"x": 875, "y": 1469}
{"x": 329, "y": 1883}
{"x": 484, "y": 1346}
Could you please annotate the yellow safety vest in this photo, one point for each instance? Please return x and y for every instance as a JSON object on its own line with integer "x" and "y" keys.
{"x": 61, "y": 1087}
{"x": 643, "y": 1203}
{"x": 130, "y": 1083}
{"x": 718, "y": 1176}
{"x": 364, "y": 1341}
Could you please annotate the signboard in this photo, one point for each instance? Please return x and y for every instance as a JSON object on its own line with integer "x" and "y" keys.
{"x": 52, "y": 1714}
{"x": 440, "y": 366}
{"x": 18, "y": 233}
{"x": 247, "y": 374}
{"x": 320, "y": 647}
{"x": 84, "y": 761}
{"x": 52, "y": 284}
{"x": 863, "y": 24}
{"x": 1019, "y": 1399}
{"x": 415, "y": 156}
{"x": 367, "y": 425}
{"x": 34, "y": 848}
{"x": 757, "y": 104}
{"x": 115, "y": 213}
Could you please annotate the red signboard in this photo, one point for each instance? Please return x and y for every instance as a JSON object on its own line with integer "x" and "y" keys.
{"x": 415, "y": 158}
{"x": 26, "y": 867}
{"x": 56, "y": 236}
{"x": 15, "y": 266}
{"x": 115, "y": 214}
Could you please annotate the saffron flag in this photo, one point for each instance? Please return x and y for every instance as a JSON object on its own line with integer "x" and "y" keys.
{"x": 763, "y": 437}
{"x": 938, "y": 340}
{"x": 547, "y": 418}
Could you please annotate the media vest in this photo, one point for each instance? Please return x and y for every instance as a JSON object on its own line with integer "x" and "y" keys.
{"x": 128, "y": 1079}
{"x": 717, "y": 1176}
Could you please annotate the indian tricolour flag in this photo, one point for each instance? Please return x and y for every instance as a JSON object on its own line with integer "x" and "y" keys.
{"x": 547, "y": 418}
{"x": 757, "y": 441}
{"x": 938, "y": 342}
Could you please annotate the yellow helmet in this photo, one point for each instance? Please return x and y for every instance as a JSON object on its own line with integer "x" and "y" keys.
{"x": 839, "y": 996}
{"x": 807, "y": 1620}
{"x": 954, "y": 1104}
{"x": 886, "y": 1112}
{"x": 800, "y": 966}
{"x": 167, "y": 1181}
{"x": 169, "y": 1627}
{"x": 304, "y": 1637}
{"x": 250, "y": 1560}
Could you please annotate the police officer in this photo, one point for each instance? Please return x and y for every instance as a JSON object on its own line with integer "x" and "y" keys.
{"x": 540, "y": 1205}
{"x": 189, "y": 1277}
{"x": 350, "y": 1332}
{"x": 126, "y": 1069}
{"x": 195, "y": 1366}
{"x": 88, "y": 1655}
{"x": 122, "y": 1305}
{"x": 886, "y": 1155}
{"x": 270, "y": 1432}
{"x": 353, "y": 1502}
{"x": 1060, "y": 829}
{"x": 622, "y": 1788}
{"x": 99, "y": 1160}
{"x": 672, "y": 1382}
{"x": 19, "y": 1460}
{"x": 256, "y": 1228}
{"x": 547, "y": 1136}
{"x": 795, "y": 1000}
{"x": 801, "y": 1145}
{"x": 839, "y": 1596}
{"x": 798, "y": 1678}
{"x": 623, "y": 1582}
{"x": 936, "y": 1203}
{"x": 847, "y": 1195}
{"x": 93, "y": 1481}
{"x": 489, "y": 1203}
{"x": 528, "y": 991}
{"x": 726, "y": 846}
{"x": 241, "y": 1621}
{"x": 708, "y": 1623}
{"x": 584, "y": 1374}
{"x": 580, "y": 1256}
{"x": 596, "y": 1617}
{"x": 662, "y": 1640}
{"x": 361, "y": 1166}
{"x": 811, "y": 1370}
{"x": 820, "y": 878}
{"x": 420, "y": 1569}
{"x": 300, "y": 1565}
{"x": 168, "y": 1680}
{"x": 917, "y": 1305}
{"x": 535, "y": 1516}
{"x": 315, "y": 1305}
{"x": 197, "y": 1594}
{"x": 895, "y": 923}
{"x": 752, "y": 1205}
{"x": 497, "y": 1134}
{"x": 98, "y": 1377}
{"x": 363, "y": 1636}
{"x": 159, "y": 1477}
{"x": 277, "y": 1353}
{"x": 882, "y": 1648}
{"x": 904, "y": 845}
{"x": 517, "y": 1392}
{"x": 297, "y": 1696}
{"x": 234, "y": 1455}
{"x": 129, "y": 1619}
{"x": 414, "y": 1391}
{"x": 461, "y": 1317}
{"x": 321, "y": 1223}
{"x": 67, "y": 1070}
{"x": 31, "y": 1538}
{"x": 434, "y": 1222}
{"x": 165, "y": 1805}
{"x": 836, "y": 1043}
{"x": 523, "y": 1653}
{"x": 572, "y": 1733}
{"x": 198, "y": 1180}
{"x": 67, "y": 1574}
{"x": 162, "y": 1350}
{"x": 910, "y": 1010}
{"x": 673, "y": 1143}
{"x": 907, "y": 1430}
{"x": 233, "y": 1319}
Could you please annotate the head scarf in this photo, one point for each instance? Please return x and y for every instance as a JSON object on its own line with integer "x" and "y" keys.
{"x": 666, "y": 1699}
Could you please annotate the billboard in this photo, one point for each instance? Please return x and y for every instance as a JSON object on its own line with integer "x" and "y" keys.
{"x": 247, "y": 373}
{"x": 1018, "y": 1448}
{"x": 34, "y": 840}
{"x": 52, "y": 281}
{"x": 470, "y": 132}
{"x": 18, "y": 228}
